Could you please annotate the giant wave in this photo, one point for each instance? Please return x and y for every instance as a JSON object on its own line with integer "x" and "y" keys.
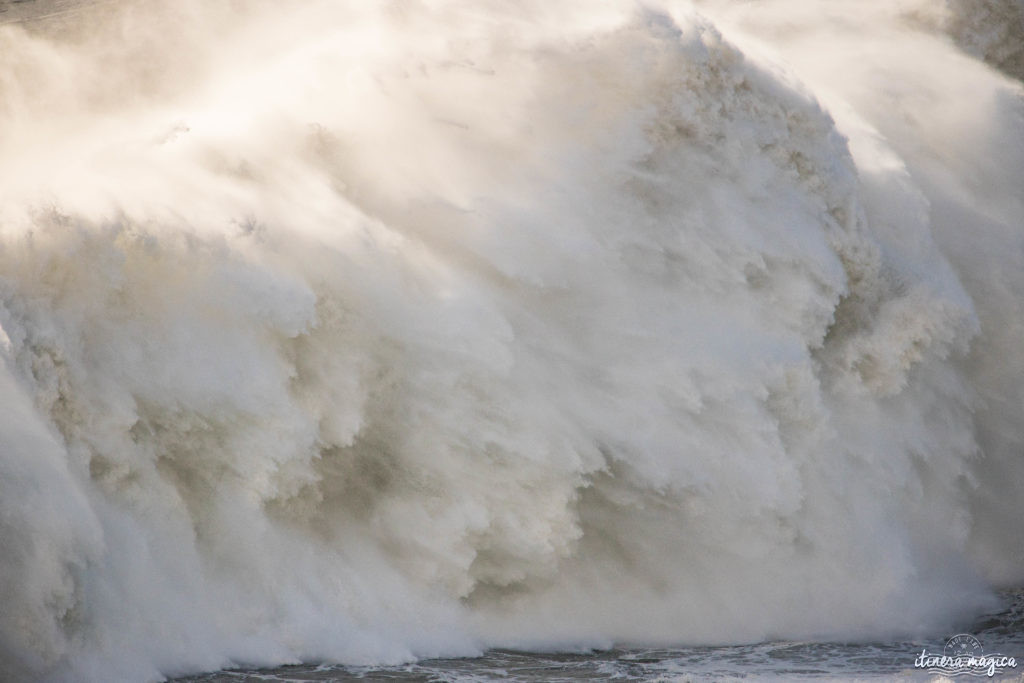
{"x": 364, "y": 332}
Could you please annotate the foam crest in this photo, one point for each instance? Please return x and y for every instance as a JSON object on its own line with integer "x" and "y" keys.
{"x": 365, "y": 334}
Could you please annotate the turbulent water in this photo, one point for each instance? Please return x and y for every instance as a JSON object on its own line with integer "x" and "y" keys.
{"x": 1000, "y": 632}
{"x": 773, "y": 662}
{"x": 374, "y": 332}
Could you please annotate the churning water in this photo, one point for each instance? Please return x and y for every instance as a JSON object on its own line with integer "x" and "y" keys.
{"x": 382, "y": 332}
{"x": 1000, "y": 632}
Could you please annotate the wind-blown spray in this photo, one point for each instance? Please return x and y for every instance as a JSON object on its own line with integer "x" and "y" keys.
{"x": 367, "y": 333}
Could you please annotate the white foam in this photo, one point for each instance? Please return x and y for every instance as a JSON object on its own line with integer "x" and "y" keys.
{"x": 365, "y": 334}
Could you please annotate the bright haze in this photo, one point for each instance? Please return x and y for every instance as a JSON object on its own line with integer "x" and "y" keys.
{"x": 370, "y": 331}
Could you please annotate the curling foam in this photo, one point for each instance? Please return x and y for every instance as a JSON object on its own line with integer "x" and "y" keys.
{"x": 366, "y": 332}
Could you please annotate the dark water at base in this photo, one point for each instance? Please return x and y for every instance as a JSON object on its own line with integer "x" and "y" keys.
{"x": 1002, "y": 632}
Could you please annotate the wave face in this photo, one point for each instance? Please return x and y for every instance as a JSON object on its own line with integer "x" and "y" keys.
{"x": 364, "y": 332}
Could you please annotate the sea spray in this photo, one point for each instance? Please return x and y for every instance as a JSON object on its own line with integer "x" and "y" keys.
{"x": 368, "y": 333}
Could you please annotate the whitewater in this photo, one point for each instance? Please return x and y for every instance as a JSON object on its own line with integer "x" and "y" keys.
{"x": 370, "y": 332}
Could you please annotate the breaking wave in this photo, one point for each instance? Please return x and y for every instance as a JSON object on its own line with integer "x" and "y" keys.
{"x": 364, "y": 332}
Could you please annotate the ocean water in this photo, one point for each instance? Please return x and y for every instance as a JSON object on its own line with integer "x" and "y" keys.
{"x": 432, "y": 339}
{"x": 1000, "y": 632}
